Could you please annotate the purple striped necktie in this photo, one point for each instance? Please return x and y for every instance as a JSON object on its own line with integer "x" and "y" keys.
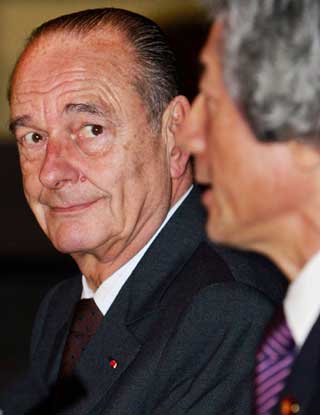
{"x": 273, "y": 364}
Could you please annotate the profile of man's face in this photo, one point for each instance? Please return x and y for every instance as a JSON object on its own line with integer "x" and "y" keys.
{"x": 89, "y": 158}
{"x": 251, "y": 185}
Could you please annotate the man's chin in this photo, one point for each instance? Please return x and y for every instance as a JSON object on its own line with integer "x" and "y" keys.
{"x": 71, "y": 244}
{"x": 217, "y": 230}
{"x": 72, "y": 236}
{"x": 225, "y": 234}
{"x": 67, "y": 248}
{"x": 213, "y": 233}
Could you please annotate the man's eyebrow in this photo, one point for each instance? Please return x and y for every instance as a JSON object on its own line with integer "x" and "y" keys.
{"x": 20, "y": 121}
{"x": 83, "y": 107}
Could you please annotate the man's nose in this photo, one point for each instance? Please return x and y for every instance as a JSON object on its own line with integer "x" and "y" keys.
{"x": 57, "y": 169}
{"x": 191, "y": 134}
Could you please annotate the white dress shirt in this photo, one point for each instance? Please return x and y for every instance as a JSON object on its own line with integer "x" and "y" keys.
{"x": 109, "y": 289}
{"x": 302, "y": 302}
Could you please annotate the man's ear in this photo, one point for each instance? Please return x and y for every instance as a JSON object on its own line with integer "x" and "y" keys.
{"x": 172, "y": 120}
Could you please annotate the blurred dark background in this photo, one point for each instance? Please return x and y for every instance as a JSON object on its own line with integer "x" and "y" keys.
{"x": 30, "y": 265}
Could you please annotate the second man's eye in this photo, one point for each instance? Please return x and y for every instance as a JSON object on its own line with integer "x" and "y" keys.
{"x": 92, "y": 130}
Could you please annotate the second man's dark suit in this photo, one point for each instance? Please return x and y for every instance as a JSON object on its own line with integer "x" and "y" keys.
{"x": 183, "y": 330}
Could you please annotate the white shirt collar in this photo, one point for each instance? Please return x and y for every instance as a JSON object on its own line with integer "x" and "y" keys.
{"x": 302, "y": 302}
{"x": 109, "y": 289}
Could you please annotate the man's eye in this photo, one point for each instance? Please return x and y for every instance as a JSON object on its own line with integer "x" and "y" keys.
{"x": 32, "y": 138}
{"x": 91, "y": 131}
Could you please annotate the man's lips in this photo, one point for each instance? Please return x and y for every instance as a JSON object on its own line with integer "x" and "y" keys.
{"x": 72, "y": 207}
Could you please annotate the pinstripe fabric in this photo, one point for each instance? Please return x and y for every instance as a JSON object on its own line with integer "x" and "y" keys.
{"x": 273, "y": 365}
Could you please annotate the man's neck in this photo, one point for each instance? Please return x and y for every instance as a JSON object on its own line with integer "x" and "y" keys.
{"x": 293, "y": 243}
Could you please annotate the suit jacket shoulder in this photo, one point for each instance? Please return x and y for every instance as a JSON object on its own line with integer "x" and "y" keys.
{"x": 209, "y": 361}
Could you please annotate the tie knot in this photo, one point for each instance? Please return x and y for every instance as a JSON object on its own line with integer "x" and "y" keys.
{"x": 87, "y": 317}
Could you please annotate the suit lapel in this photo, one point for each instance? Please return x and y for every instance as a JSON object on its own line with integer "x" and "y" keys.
{"x": 165, "y": 257}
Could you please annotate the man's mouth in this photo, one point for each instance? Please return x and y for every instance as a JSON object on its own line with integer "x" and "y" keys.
{"x": 72, "y": 207}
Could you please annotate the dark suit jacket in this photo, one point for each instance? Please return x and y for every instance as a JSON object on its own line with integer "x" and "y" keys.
{"x": 183, "y": 329}
{"x": 303, "y": 384}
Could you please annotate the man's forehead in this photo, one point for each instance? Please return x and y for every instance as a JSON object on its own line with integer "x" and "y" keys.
{"x": 101, "y": 44}
{"x": 52, "y": 57}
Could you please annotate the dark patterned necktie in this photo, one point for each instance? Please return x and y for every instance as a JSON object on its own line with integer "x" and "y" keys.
{"x": 273, "y": 365}
{"x": 68, "y": 389}
{"x": 86, "y": 320}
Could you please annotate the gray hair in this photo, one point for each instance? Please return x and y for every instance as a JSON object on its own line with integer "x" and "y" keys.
{"x": 271, "y": 58}
{"x": 155, "y": 74}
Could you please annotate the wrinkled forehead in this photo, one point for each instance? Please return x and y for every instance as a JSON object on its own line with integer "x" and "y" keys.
{"x": 58, "y": 54}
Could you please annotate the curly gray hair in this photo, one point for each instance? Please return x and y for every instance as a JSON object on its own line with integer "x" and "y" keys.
{"x": 271, "y": 55}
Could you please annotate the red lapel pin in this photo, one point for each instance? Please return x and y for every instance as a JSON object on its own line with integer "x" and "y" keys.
{"x": 113, "y": 363}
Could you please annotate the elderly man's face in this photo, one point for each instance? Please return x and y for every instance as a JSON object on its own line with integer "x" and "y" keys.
{"x": 252, "y": 185}
{"x": 94, "y": 173}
